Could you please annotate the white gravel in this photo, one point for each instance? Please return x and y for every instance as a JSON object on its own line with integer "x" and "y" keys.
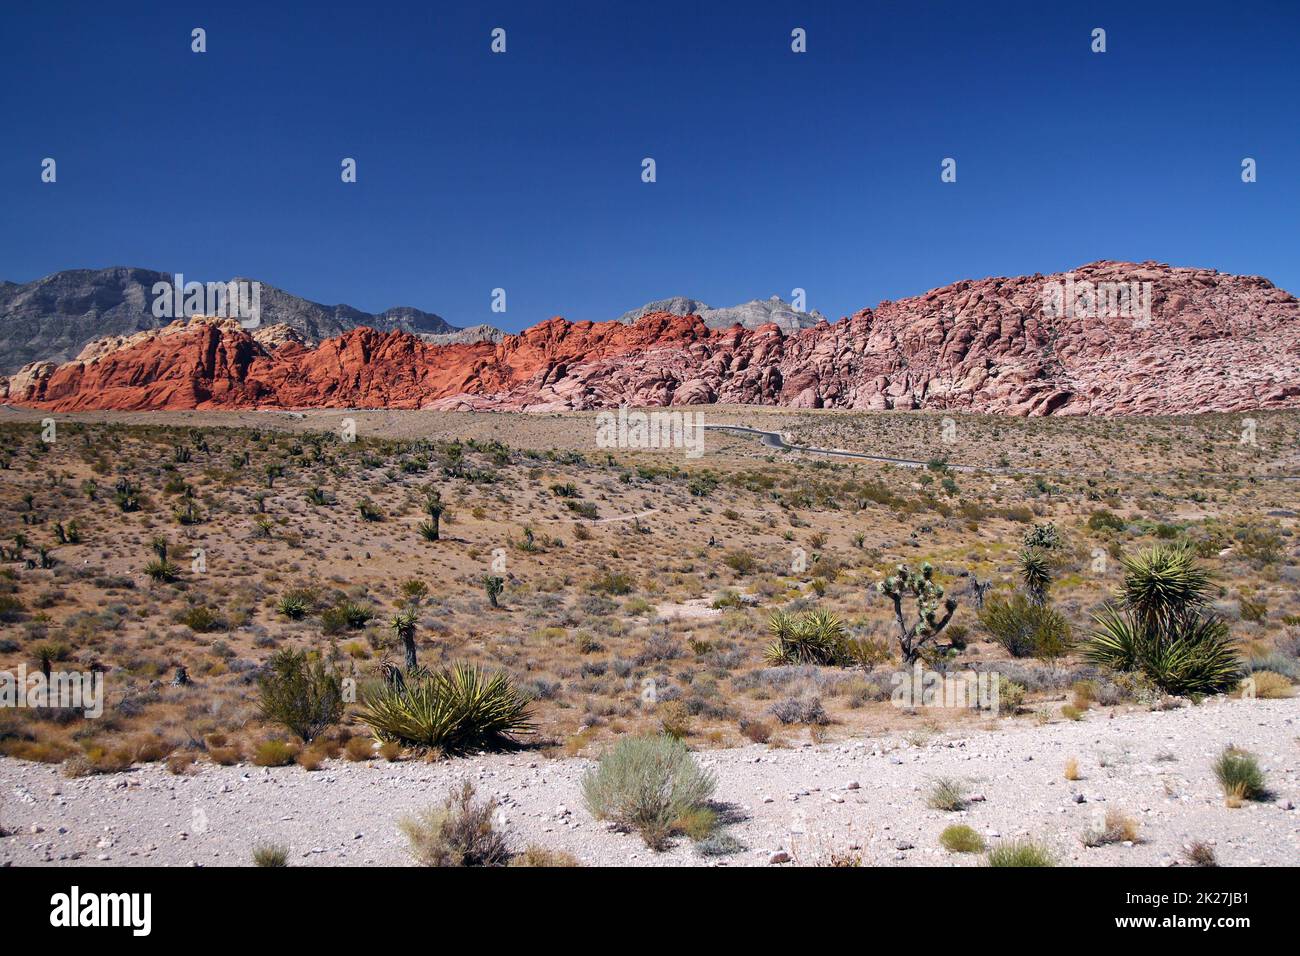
{"x": 805, "y": 801}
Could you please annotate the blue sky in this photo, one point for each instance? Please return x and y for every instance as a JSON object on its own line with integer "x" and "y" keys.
{"x": 775, "y": 170}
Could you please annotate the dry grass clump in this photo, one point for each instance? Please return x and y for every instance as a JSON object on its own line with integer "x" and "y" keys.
{"x": 1072, "y": 769}
{"x": 270, "y": 855}
{"x": 1267, "y": 685}
{"x": 1118, "y": 827}
{"x": 1240, "y": 776}
{"x": 458, "y": 833}
{"x": 948, "y": 795}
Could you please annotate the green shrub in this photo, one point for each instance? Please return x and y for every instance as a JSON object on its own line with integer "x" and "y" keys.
{"x": 274, "y": 753}
{"x": 1239, "y": 775}
{"x": 960, "y": 838}
{"x": 301, "y": 694}
{"x": 1103, "y": 520}
{"x": 270, "y": 855}
{"x": 459, "y": 833}
{"x": 295, "y": 604}
{"x": 1021, "y": 853}
{"x": 1025, "y": 628}
{"x": 456, "y": 709}
{"x": 647, "y": 784}
{"x": 948, "y": 795}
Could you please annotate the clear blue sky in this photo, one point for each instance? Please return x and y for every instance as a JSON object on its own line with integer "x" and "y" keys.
{"x": 522, "y": 170}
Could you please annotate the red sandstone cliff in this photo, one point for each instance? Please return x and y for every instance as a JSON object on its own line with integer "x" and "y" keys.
{"x": 1214, "y": 342}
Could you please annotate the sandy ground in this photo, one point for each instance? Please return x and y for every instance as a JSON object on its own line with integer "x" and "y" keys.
{"x": 808, "y": 801}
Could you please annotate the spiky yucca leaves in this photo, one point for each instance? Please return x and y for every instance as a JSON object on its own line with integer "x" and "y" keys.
{"x": 1164, "y": 581}
{"x": 817, "y": 637}
{"x": 457, "y": 709}
{"x": 1036, "y": 573}
{"x": 1162, "y": 628}
{"x": 1187, "y": 653}
{"x": 403, "y": 624}
{"x": 927, "y": 594}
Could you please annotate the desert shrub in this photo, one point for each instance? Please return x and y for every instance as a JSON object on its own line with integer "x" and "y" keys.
{"x": 718, "y": 843}
{"x": 201, "y": 619}
{"x": 1117, "y": 827}
{"x": 756, "y": 731}
{"x": 960, "y": 838}
{"x": 456, "y": 709}
{"x": 1025, "y": 628}
{"x": 538, "y": 856}
{"x": 303, "y": 695}
{"x": 1266, "y": 685}
{"x": 1103, "y": 520}
{"x": 1020, "y": 853}
{"x": 96, "y": 759}
{"x": 675, "y": 719}
{"x": 612, "y": 583}
{"x": 742, "y": 562}
{"x": 274, "y": 753}
{"x": 1240, "y": 776}
{"x": 1011, "y": 695}
{"x": 11, "y": 608}
{"x": 647, "y": 784}
{"x": 270, "y": 855}
{"x": 458, "y": 833}
{"x": 947, "y": 794}
{"x": 1163, "y": 629}
{"x": 801, "y": 710}
{"x": 358, "y": 749}
{"x": 1200, "y": 854}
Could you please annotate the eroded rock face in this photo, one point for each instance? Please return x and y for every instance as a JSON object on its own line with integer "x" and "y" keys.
{"x": 1214, "y": 342}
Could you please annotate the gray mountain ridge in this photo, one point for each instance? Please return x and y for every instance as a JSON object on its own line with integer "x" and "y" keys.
{"x": 53, "y": 318}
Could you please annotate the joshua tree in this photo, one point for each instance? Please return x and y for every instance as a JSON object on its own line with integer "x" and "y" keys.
{"x": 493, "y": 585}
{"x": 403, "y": 625}
{"x": 433, "y": 508}
{"x": 928, "y": 594}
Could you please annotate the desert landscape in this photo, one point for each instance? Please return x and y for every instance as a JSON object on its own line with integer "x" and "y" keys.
{"x": 267, "y": 593}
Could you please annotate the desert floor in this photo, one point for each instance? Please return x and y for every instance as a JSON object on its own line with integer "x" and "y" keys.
{"x": 625, "y": 569}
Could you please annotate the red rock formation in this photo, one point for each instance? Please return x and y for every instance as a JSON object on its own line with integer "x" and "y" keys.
{"x": 1214, "y": 342}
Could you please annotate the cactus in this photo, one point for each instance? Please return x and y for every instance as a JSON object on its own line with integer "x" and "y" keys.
{"x": 929, "y": 597}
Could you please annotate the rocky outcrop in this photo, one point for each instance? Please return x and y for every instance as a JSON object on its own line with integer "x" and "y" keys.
{"x": 1211, "y": 342}
{"x": 750, "y": 315}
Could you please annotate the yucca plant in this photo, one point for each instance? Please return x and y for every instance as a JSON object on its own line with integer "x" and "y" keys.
{"x": 294, "y": 604}
{"x": 493, "y": 585}
{"x": 1036, "y": 574}
{"x": 457, "y": 709}
{"x": 1162, "y": 628}
{"x": 1164, "y": 580}
{"x": 161, "y": 570}
{"x": 817, "y": 637}
{"x": 403, "y": 625}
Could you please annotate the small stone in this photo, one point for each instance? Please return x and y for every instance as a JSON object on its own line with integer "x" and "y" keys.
{"x": 780, "y": 856}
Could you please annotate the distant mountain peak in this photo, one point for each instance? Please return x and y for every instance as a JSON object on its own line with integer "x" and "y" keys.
{"x": 749, "y": 315}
